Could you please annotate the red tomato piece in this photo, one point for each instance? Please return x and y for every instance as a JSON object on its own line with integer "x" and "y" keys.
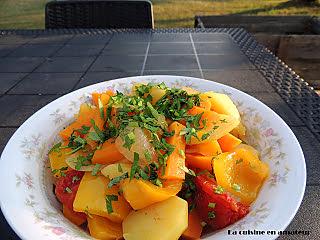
{"x": 67, "y": 187}
{"x": 218, "y": 210}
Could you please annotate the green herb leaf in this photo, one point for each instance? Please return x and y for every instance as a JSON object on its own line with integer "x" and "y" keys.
{"x": 83, "y": 130}
{"x": 86, "y": 211}
{"x": 101, "y": 110}
{"x": 219, "y": 190}
{"x": 168, "y": 134}
{"x": 109, "y": 200}
{"x": 68, "y": 190}
{"x": 56, "y": 147}
{"x": 94, "y": 136}
{"x": 135, "y": 165}
{"x": 188, "y": 171}
{"x": 83, "y": 161}
{"x": 211, "y": 215}
{"x": 101, "y": 135}
{"x": 120, "y": 168}
{"x": 205, "y": 136}
{"x": 129, "y": 140}
{"x": 117, "y": 180}
{"x": 95, "y": 169}
{"x": 212, "y": 205}
{"x": 236, "y": 187}
{"x": 60, "y": 171}
{"x": 75, "y": 179}
{"x": 181, "y": 152}
{"x": 239, "y": 161}
{"x": 147, "y": 155}
{"x": 143, "y": 175}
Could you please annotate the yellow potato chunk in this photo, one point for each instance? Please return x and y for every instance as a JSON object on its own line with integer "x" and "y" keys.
{"x": 91, "y": 197}
{"x": 157, "y": 94}
{"x": 104, "y": 229}
{"x": 241, "y": 172}
{"x": 165, "y": 220}
{"x": 141, "y": 193}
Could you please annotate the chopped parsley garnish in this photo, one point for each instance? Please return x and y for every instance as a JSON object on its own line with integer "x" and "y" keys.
{"x": 205, "y": 136}
{"x": 95, "y": 169}
{"x": 147, "y": 155}
{"x": 219, "y": 190}
{"x": 211, "y": 215}
{"x": 76, "y": 143}
{"x": 75, "y": 179}
{"x": 175, "y": 103}
{"x": 129, "y": 140}
{"x": 83, "y": 161}
{"x": 236, "y": 187}
{"x": 188, "y": 188}
{"x": 60, "y": 171}
{"x": 120, "y": 168}
{"x": 189, "y": 132}
{"x": 83, "y": 130}
{"x": 56, "y": 147}
{"x": 98, "y": 133}
{"x": 86, "y": 211}
{"x": 240, "y": 160}
{"x": 188, "y": 171}
{"x": 212, "y": 205}
{"x": 109, "y": 200}
{"x": 191, "y": 207}
{"x": 135, "y": 165}
{"x": 168, "y": 134}
{"x": 68, "y": 190}
{"x": 181, "y": 152}
{"x": 117, "y": 180}
{"x": 101, "y": 109}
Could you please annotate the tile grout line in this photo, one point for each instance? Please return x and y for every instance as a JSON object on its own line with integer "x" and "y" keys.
{"x": 196, "y": 55}
{"x": 87, "y": 70}
{"x": 21, "y": 45}
{"x": 145, "y": 59}
{"x": 29, "y": 73}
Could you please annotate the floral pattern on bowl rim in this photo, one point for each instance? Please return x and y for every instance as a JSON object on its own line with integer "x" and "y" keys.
{"x": 32, "y": 182}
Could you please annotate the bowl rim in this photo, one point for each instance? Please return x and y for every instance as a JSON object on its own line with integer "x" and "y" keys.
{"x": 61, "y": 98}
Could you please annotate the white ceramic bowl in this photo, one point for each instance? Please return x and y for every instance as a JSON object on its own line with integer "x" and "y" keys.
{"x": 31, "y": 209}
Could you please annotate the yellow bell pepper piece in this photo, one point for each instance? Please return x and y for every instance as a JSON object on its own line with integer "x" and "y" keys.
{"x": 241, "y": 173}
{"x": 91, "y": 197}
{"x": 104, "y": 229}
{"x": 141, "y": 193}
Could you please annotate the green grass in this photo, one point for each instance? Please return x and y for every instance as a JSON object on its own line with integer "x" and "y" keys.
{"x": 167, "y": 13}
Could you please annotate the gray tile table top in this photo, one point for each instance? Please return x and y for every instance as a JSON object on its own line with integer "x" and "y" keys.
{"x": 38, "y": 66}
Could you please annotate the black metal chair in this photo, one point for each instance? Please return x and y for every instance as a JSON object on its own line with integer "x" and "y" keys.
{"x": 99, "y": 14}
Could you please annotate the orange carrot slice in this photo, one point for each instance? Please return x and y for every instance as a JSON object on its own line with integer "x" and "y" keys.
{"x": 210, "y": 148}
{"x": 194, "y": 226}
{"x": 107, "y": 154}
{"x": 199, "y": 161}
{"x": 228, "y": 142}
{"x": 176, "y": 160}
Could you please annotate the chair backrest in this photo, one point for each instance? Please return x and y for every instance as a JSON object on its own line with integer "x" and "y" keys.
{"x": 99, "y": 14}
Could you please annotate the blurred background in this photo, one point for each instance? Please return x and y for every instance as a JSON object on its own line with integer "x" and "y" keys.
{"x": 167, "y": 13}
{"x": 281, "y": 25}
